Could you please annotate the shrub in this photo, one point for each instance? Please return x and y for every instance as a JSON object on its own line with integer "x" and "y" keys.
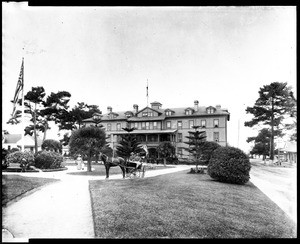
{"x": 5, "y": 164}
{"x": 48, "y": 160}
{"x": 207, "y": 148}
{"x": 230, "y": 165}
{"x": 52, "y": 145}
{"x": 25, "y": 159}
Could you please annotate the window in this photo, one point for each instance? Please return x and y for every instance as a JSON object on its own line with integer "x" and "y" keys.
{"x": 136, "y": 125}
{"x": 216, "y": 136}
{"x": 168, "y": 113}
{"x": 118, "y": 126}
{"x": 147, "y": 114}
{"x": 108, "y": 127}
{"x": 191, "y": 123}
{"x": 168, "y": 124}
{"x": 179, "y": 125}
{"x": 203, "y": 123}
{"x": 152, "y": 138}
{"x": 216, "y": 123}
{"x": 179, "y": 137}
{"x": 143, "y": 125}
{"x": 188, "y": 112}
{"x": 179, "y": 152}
{"x": 147, "y": 125}
{"x": 210, "y": 110}
{"x": 154, "y": 125}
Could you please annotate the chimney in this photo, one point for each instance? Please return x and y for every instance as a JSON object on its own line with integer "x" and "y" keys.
{"x": 109, "y": 109}
{"x": 136, "y": 108}
{"x": 218, "y": 107}
{"x": 196, "y": 102}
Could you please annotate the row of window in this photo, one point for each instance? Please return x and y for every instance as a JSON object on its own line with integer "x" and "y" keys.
{"x": 166, "y": 137}
{"x": 188, "y": 111}
{"x": 154, "y": 125}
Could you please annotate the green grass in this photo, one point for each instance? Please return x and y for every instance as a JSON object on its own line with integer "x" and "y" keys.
{"x": 181, "y": 205}
{"x": 16, "y": 185}
{"x": 100, "y": 170}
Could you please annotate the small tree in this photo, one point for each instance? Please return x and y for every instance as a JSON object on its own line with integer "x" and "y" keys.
{"x": 87, "y": 141}
{"x": 128, "y": 145}
{"x": 52, "y": 145}
{"x": 195, "y": 139}
{"x": 165, "y": 150}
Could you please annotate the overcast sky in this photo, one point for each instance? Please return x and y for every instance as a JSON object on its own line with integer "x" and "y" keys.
{"x": 105, "y": 55}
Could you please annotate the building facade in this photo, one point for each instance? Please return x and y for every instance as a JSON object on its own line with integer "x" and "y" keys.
{"x": 156, "y": 124}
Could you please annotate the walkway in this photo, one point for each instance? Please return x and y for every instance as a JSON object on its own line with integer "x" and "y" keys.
{"x": 58, "y": 210}
{"x": 279, "y": 183}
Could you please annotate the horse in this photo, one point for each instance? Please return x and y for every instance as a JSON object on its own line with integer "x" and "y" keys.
{"x": 113, "y": 162}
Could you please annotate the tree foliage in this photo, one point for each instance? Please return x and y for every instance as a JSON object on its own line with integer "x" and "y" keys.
{"x": 87, "y": 141}
{"x": 195, "y": 139}
{"x": 52, "y": 145}
{"x": 165, "y": 150}
{"x": 70, "y": 120}
{"x": 128, "y": 145}
{"x": 275, "y": 103}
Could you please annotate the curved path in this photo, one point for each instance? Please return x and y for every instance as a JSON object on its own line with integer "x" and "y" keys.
{"x": 58, "y": 210}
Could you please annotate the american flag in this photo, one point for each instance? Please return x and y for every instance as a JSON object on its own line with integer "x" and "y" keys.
{"x": 19, "y": 88}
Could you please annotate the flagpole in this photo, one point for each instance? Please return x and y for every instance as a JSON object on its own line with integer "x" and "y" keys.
{"x": 147, "y": 94}
{"x": 22, "y": 123}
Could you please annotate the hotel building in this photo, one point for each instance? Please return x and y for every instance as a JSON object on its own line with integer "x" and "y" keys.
{"x": 156, "y": 124}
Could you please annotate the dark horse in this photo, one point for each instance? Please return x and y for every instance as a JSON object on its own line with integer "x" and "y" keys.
{"x": 113, "y": 162}
{"x": 119, "y": 161}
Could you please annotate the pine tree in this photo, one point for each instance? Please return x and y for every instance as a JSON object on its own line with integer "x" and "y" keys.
{"x": 128, "y": 145}
{"x": 274, "y": 104}
{"x": 195, "y": 139}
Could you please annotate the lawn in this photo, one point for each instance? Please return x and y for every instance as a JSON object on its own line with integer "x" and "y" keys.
{"x": 182, "y": 205}
{"x": 16, "y": 185}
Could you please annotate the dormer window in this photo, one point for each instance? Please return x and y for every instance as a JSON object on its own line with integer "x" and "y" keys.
{"x": 168, "y": 113}
{"x": 188, "y": 112}
{"x": 128, "y": 114}
{"x": 210, "y": 110}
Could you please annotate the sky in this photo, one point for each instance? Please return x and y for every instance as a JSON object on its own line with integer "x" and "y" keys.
{"x": 106, "y": 55}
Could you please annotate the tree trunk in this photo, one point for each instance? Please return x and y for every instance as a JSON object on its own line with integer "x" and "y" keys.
{"x": 45, "y": 132}
{"x": 34, "y": 130}
{"x": 272, "y": 132}
{"x": 89, "y": 163}
{"x": 165, "y": 162}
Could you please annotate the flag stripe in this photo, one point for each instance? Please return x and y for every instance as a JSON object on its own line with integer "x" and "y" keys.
{"x": 19, "y": 88}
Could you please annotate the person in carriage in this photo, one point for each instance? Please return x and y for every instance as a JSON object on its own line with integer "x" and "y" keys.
{"x": 135, "y": 160}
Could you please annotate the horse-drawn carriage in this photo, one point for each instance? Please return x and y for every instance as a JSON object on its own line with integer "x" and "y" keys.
{"x": 131, "y": 168}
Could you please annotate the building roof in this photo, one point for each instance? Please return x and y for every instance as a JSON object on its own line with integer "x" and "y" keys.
{"x": 178, "y": 112}
{"x": 290, "y": 147}
{"x": 16, "y": 139}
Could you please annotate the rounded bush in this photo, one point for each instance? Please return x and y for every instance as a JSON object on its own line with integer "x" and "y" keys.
{"x": 25, "y": 159}
{"x": 230, "y": 165}
{"x": 48, "y": 160}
